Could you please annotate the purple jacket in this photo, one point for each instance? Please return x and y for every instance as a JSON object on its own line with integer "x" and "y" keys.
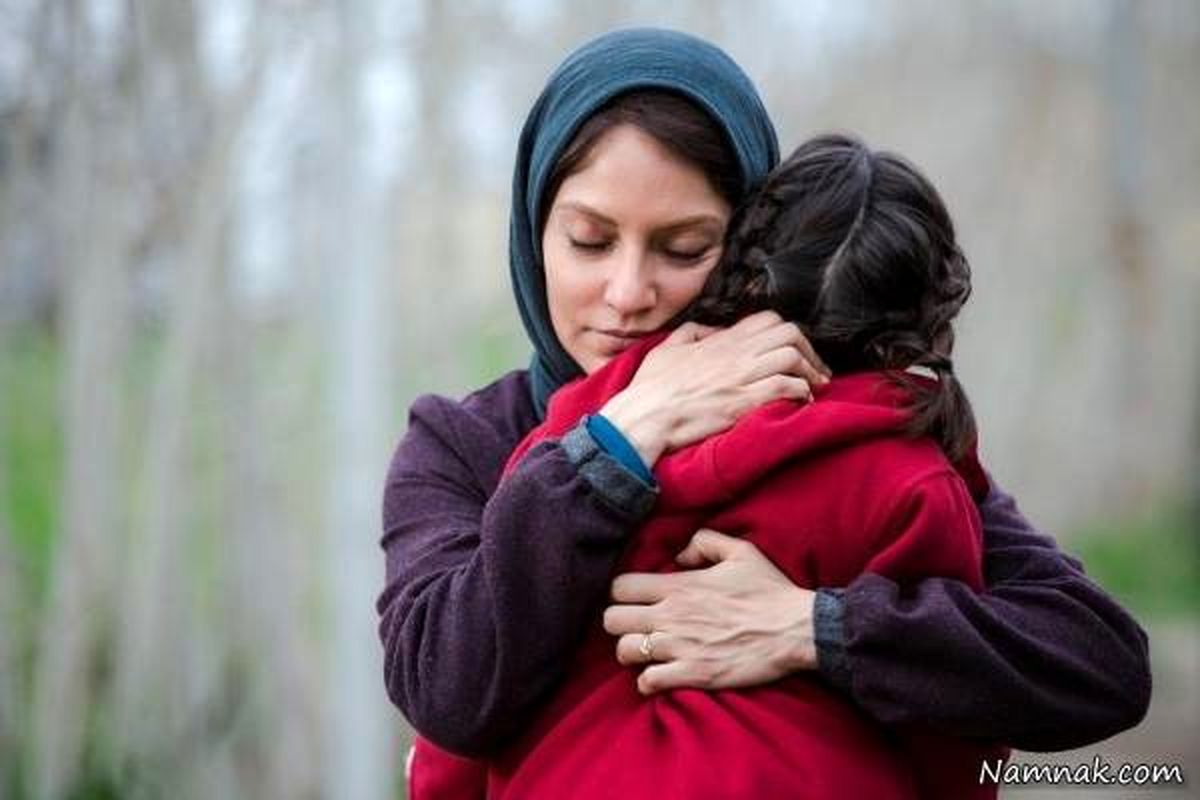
{"x": 489, "y": 590}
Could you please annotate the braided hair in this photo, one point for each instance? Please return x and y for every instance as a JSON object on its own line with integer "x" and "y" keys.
{"x": 857, "y": 248}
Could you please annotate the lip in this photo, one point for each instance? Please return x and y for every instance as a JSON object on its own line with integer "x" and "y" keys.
{"x": 614, "y": 341}
{"x": 621, "y": 334}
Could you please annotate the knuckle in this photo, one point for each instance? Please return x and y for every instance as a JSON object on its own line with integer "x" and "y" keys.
{"x": 794, "y": 387}
{"x": 705, "y": 675}
{"x": 662, "y": 647}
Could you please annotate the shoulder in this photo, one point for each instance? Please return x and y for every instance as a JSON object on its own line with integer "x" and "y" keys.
{"x": 503, "y": 407}
{"x": 890, "y": 461}
{"x": 477, "y": 432}
{"x": 919, "y": 468}
{"x": 907, "y": 476}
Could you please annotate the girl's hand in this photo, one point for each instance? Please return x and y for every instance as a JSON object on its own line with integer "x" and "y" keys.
{"x": 700, "y": 380}
{"x": 738, "y": 623}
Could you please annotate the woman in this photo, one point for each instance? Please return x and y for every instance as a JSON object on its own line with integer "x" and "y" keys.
{"x": 490, "y": 587}
{"x": 857, "y": 248}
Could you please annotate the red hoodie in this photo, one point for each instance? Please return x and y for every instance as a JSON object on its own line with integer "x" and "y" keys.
{"x": 826, "y": 490}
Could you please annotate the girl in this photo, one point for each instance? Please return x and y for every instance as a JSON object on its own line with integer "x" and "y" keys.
{"x": 876, "y": 475}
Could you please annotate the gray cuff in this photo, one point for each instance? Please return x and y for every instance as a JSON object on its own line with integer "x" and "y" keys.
{"x": 615, "y": 484}
{"x": 829, "y": 610}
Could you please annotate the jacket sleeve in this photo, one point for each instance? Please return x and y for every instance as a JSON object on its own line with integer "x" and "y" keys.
{"x": 1043, "y": 659}
{"x": 485, "y": 591}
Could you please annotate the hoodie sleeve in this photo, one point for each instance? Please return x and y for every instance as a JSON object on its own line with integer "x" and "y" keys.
{"x": 487, "y": 586}
{"x": 1042, "y": 659}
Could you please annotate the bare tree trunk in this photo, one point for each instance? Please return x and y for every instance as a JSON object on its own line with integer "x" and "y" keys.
{"x": 360, "y": 750}
{"x": 168, "y": 691}
{"x": 263, "y": 571}
{"x": 94, "y": 333}
{"x": 434, "y": 250}
{"x": 1126, "y": 87}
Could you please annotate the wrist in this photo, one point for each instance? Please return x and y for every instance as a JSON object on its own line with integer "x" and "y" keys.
{"x": 829, "y": 612}
{"x": 612, "y": 441}
{"x": 645, "y": 429}
{"x": 616, "y": 486}
{"x": 802, "y": 647}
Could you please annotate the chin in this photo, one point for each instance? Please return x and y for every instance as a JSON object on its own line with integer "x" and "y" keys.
{"x": 590, "y": 365}
{"x": 591, "y": 361}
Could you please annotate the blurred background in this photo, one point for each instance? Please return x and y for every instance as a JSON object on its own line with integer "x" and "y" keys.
{"x": 237, "y": 238}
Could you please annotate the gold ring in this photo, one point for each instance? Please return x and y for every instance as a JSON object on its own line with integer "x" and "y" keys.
{"x": 646, "y": 648}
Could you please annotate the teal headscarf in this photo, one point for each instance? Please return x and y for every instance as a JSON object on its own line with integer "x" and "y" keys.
{"x": 613, "y": 64}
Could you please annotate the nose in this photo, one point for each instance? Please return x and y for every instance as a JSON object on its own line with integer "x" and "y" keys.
{"x": 631, "y": 287}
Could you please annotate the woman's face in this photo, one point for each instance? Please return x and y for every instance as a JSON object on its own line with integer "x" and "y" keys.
{"x": 628, "y": 243}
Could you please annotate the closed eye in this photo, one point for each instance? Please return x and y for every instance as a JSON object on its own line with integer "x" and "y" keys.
{"x": 686, "y": 255}
{"x": 590, "y": 246}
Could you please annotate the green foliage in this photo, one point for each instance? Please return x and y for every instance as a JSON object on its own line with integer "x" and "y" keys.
{"x": 96, "y": 787}
{"x": 495, "y": 347}
{"x": 1150, "y": 561}
{"x": 31, "y": 450}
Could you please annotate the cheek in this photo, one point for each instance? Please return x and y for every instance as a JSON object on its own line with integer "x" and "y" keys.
{"x": 680, "y": 287}
{"x": 568, "y": 287}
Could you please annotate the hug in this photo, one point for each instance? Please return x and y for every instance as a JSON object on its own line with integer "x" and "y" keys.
{"x": 728, "y": 535}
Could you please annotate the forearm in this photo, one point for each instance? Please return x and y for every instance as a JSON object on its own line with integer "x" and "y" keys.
{"x": 1043, "y": 659}
{"x": 482, "y": 614}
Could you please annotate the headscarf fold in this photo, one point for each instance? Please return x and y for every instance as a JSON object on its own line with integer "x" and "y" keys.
{"x": 610, "y": 65}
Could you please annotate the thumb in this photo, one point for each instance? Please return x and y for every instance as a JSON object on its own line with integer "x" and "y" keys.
{"x": 707, "y": 547}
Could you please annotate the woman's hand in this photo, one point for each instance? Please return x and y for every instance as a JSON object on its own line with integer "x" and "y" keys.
{"x": 700, "y": 380}
{"x": 738, "y": 623}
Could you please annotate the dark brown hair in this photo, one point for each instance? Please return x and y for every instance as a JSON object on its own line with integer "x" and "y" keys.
{"x": 857, "y": 248}
{"x": 674, "y": 121}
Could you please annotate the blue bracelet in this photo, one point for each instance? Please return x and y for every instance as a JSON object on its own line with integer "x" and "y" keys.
{"x": 612, "y": 441}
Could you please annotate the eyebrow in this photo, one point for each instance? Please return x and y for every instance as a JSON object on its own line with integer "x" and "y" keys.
{"x": 680, "y": 224}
